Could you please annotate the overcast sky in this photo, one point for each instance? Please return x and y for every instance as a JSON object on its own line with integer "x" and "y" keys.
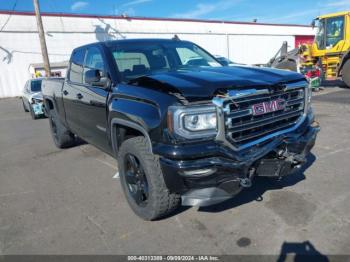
{"x": 270, "y": 11}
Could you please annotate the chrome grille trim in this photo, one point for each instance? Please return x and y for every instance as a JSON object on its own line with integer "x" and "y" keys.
{"x": 266, "y": 121}
{"x": 286, "y": 121}
{"x": 295, "y": 101}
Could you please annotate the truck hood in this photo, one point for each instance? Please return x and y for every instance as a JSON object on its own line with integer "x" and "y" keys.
{"x": 205, "y": 82}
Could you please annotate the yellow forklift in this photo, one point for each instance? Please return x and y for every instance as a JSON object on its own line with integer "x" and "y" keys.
{"x": 329, "y": 55}
{"x": 331, "y": 48}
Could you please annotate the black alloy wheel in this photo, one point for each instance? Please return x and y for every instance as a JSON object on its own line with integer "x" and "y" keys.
{"x": 136, "y": 180}
{"x": 142, "y": 180}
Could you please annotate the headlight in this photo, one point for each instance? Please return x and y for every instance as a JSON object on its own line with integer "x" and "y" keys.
{"x": 308, "y": 96}
{"x": 36, "y": 100}
{"x": 200, "y": 122}
{"x": 193, "y": 122}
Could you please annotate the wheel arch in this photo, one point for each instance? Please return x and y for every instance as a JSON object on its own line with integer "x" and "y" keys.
{"x": 118, "y": 136}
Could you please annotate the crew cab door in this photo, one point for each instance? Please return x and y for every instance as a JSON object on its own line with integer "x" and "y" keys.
{"x": 71, "y": 88}
{"x": 92, "y": 100}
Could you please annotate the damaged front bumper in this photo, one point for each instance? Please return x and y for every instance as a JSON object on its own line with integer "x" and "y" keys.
{"x": 38, "y": 108}
{"x": 210, "y": 172}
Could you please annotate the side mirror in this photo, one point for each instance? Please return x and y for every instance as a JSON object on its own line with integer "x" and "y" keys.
{"x": 95, "y": 77}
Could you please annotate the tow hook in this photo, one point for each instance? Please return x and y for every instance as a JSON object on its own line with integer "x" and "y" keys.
{"x": 247, "y": 182}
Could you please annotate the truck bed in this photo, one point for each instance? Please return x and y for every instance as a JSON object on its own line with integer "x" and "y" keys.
{"x": 52, "y": 89}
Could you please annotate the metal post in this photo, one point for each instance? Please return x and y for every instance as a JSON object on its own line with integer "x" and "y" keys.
{"x": 42, "y": 38}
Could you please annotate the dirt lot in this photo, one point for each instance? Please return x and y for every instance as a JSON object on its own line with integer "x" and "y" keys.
{"x": 67, "y": 202}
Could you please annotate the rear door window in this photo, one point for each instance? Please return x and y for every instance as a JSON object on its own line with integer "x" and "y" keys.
{"x": 76, "y": 67}
{"x": 94, "y": 59}
{"x": 128, "y": 60}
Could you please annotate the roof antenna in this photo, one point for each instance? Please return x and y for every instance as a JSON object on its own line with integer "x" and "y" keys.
{"x": 176, "y": 37}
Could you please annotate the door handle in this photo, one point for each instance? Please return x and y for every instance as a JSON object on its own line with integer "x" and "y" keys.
{"x": 79, "y": 96}
{"x": 65, "y": 92}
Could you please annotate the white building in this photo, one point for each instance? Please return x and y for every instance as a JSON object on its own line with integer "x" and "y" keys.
{"x": 250, "y": 43}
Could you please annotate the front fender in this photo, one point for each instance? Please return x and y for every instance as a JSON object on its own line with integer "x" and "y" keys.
{"x": 140, "y": 108}
{"x": 143, "y": 114}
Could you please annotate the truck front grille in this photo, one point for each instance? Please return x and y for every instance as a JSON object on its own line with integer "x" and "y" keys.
{"x": 243, "y": 127}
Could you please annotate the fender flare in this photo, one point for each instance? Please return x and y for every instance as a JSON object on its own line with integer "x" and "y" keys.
{"x": 126, "y": 123}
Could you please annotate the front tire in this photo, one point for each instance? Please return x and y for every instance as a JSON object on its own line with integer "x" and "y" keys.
{"x": 346, "y": 73}
{"x": 142, "y": 180}
{"x": 61, "y": 136}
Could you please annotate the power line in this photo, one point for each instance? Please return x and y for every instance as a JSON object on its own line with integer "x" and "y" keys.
{"x": 9, "y": 17}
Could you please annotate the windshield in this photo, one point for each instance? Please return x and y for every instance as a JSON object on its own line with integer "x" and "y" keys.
{"x": 330, "y": 32}
{"x": 334, "y": 30}
{"x": 143, "y": 58}
{"x": 35, "y": 86}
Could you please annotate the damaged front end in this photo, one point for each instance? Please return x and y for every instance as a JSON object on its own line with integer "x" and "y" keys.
{"x": 37, "y": 105}
{"x": 260, "y": 132}
{"x": 253, "y": 117}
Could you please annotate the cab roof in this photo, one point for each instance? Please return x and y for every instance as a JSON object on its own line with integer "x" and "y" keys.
{"x": 144, "y": 40}
{"x": 343, "y": 13}
{"x": 133, "y": 40}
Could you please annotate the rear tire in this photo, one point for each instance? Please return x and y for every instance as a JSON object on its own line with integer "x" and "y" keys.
{"x": 61, "y": 136}
{"x": 346, "y": 73}
{"x": 24, "y": 106}
{"x": 156, "y": 201}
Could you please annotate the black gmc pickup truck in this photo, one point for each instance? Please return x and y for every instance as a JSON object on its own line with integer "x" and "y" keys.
{"x": 183, "y": 128}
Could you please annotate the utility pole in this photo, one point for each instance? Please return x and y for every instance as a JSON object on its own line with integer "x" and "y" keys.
{"x": 42, "y": 38}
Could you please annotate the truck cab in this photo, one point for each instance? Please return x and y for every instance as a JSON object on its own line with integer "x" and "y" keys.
{"x": 183, "y": 128}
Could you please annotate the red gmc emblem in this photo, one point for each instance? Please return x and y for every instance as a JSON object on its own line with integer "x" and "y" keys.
{"x": 268, "y": 107}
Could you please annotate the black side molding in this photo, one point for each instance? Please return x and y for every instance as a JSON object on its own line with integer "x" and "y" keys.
{"x": 122, "y": 122}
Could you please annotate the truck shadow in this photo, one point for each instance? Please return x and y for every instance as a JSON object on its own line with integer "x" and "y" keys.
{"x": 259, "y": 187}
{"x": 333, "y": 83}
{"x": 303, "y": 251}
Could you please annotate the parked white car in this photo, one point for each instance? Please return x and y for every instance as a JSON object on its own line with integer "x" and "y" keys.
{"x": 32, "y": 98}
